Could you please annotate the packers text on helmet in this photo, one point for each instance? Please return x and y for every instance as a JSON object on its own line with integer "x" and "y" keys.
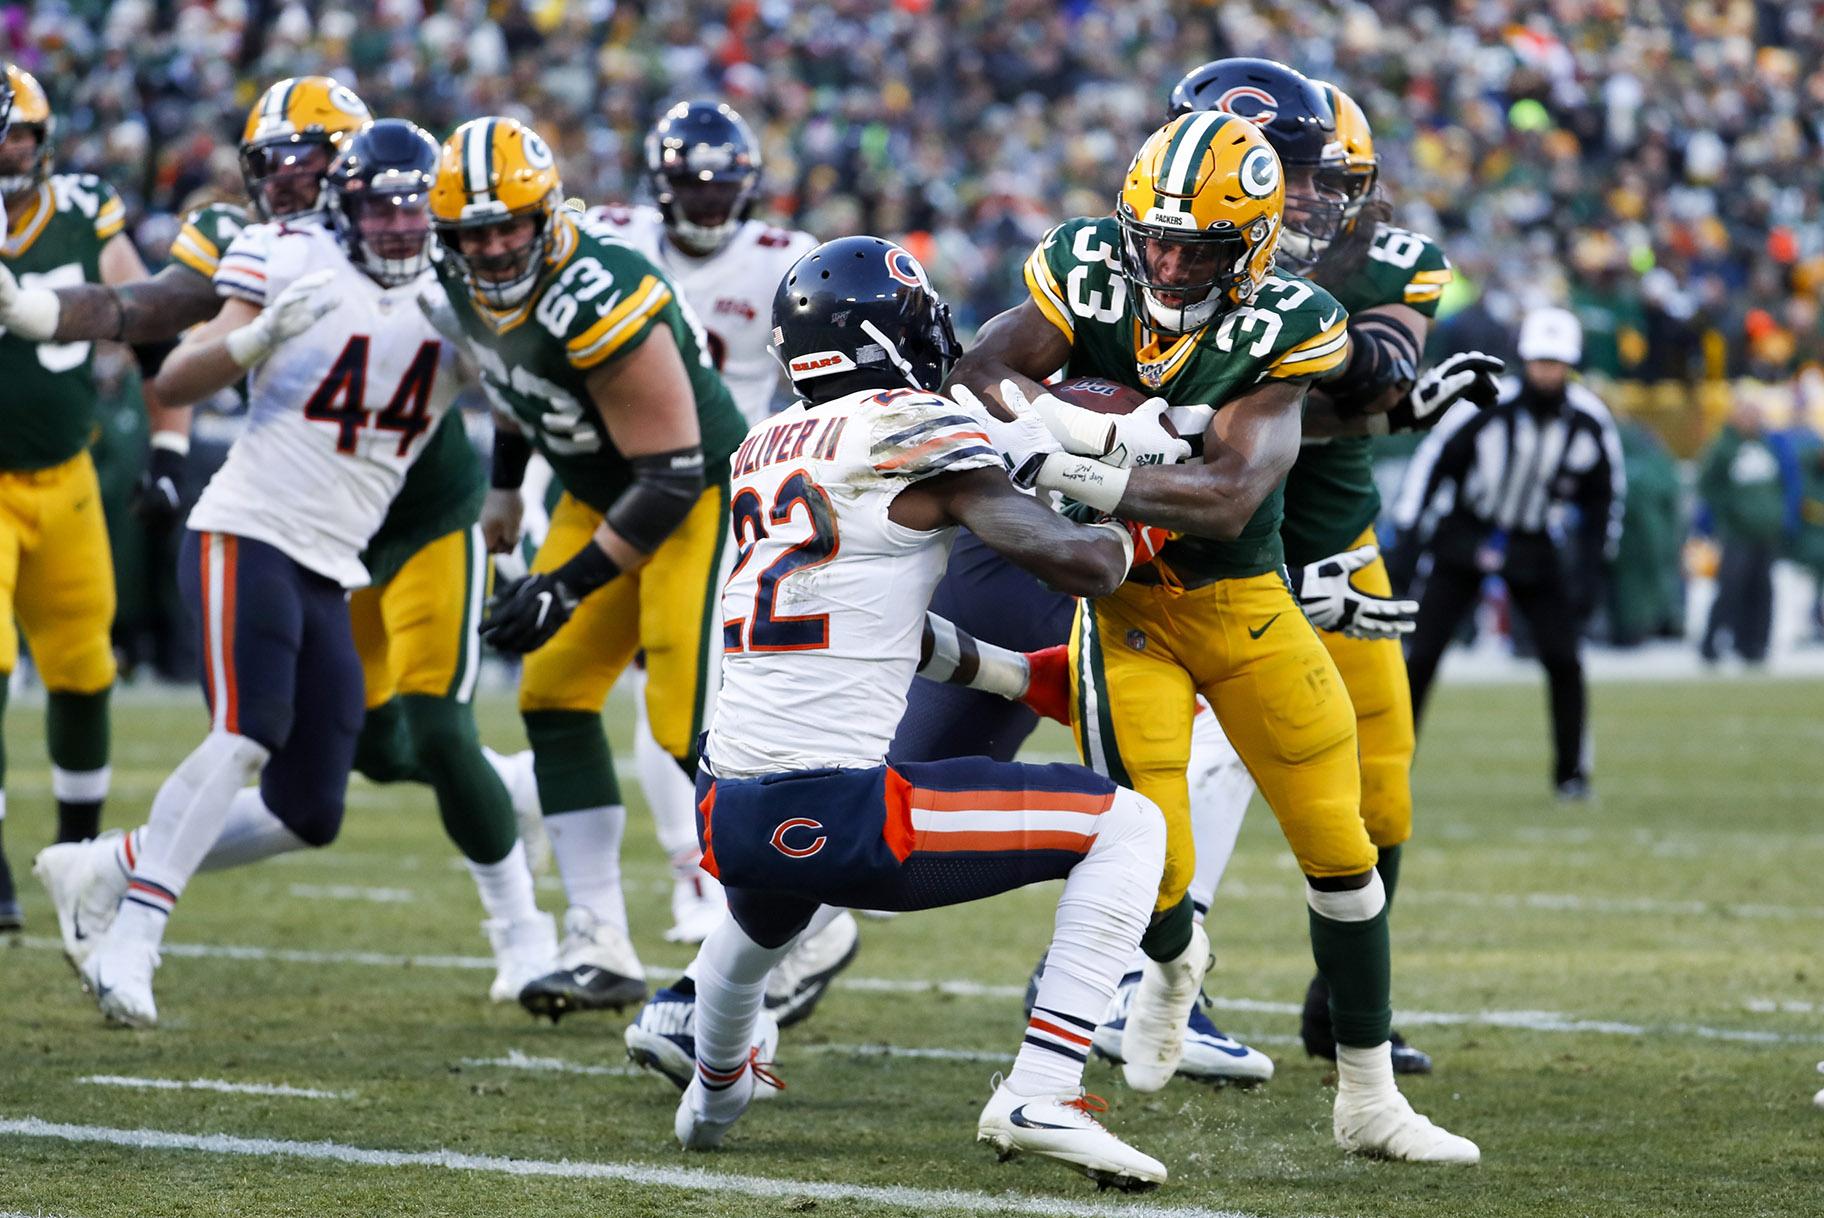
{"x": 1200, "y": 216}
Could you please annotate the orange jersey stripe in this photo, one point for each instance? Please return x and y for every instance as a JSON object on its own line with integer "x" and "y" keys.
{"x": 1009, "y": 801}
{"x": 990, "y": 840}
{"x": 930, "y": 446}
{"x": 230, "y": 553}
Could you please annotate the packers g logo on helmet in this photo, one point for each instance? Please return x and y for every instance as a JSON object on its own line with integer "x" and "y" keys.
{"x": 296, "y": 128}
{"x": 495, "y": 172}
{"x": 30, "y": 109}
{"x": 1200, "y": 218}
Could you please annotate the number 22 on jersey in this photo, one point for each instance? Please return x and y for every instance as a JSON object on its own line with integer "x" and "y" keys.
{"x": 767, "y": 531}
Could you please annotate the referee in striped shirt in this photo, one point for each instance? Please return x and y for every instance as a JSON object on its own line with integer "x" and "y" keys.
{"x": 1488, "y": 493}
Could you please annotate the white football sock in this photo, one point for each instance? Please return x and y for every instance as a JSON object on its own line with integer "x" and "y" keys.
{"x": 80, "y": 786}
{"x": 252, "y": 832}
{"x": 1220, "y": 790}
{"x": 731, "y": 984}
{"x": 1102, "y": 913}
{"x": 506, "y": 886}
{"x": 187, "y": 817}
{"x": 587, "y": 846}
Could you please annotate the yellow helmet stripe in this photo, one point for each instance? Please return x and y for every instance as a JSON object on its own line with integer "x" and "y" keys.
{"x": 1185, "y": 154}
{"x": 478, "y": 159}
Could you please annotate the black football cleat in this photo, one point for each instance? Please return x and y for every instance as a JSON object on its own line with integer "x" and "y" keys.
{"x": 583, "y": 988}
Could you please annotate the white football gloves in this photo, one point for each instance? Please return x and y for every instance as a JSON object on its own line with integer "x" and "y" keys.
{"x": 1333, "y": 603}
{"x": 28, "y": 313}
{"x": 296, "y": 309}
{"x": 1141, "y": 438}
{"x": 1024, "y": 442}
{"x": 1466, "y": 376}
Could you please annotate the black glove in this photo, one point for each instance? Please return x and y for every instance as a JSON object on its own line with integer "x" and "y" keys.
{"x": 158, "y": 497}
{"x": 524, "y": 614}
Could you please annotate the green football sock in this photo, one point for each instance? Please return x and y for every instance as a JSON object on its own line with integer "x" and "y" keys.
{"x": 1169, "y": 933}
{"x": 1356, "y": 958}
{"x": 571, "y": 759}
{"x": 76, "y": 736}
{"x": 1389, "y": 867}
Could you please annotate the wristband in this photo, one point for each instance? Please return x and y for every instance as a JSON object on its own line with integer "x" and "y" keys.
{"x": 1078, "y": 430}
{"x": 248, "y": 345}
{"x": 1119, "y": 532}
{"x": 588, "y": 569}
{"x": 512, "y": 453}
{"x": 35, "y": 313}
{"x": 172, "y": 441}
{"x": 1087, "y": 481}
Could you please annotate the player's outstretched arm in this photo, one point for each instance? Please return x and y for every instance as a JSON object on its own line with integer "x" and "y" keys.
{"x": 222, "y": 350}
{"x": 1079, "y": 560}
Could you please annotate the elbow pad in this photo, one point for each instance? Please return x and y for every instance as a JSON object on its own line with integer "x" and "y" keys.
{"x": 512, "y": 453}
{"x": 1383, "y": 355}
{"x": 665, "y": 487}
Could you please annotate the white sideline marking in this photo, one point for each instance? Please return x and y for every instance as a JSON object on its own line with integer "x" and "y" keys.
{"x": 354, "y": 892}
{"x": 1782, "y": 1006}
{"x": 213, "y": 1084}
{"x": 515, "y": 1060}
{"x": 1528, "y": 1021}
{"x": 918, "y": 1200}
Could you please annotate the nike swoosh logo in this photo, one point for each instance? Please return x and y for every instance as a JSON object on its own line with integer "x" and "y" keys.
{"x": 585, "y": 975}
{"x": 1018, "y": 1117}
{"x": 1254, "y": 634}
{"x": 1235, "y": 1051}
{"x": 544, "y": 607}
{"x": 1331, "y": 320}
{"x": 76, "y": 926}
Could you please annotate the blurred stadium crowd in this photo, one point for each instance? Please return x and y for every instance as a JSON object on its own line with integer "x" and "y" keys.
{"x": 1652, "y": 166}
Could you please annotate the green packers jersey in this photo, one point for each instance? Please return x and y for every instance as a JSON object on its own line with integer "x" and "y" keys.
{"x": 442, "y": 492}
{"x": 1294, "y": 331}
{"x": 47, "y": 414}
{"x": 1330, "y": 493}
{"x": 599, "y": 300}
{"x": 208, "y": 231}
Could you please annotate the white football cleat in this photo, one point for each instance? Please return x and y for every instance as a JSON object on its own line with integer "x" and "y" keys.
{"x": 663, "y": 1037}
{"x": 1153, "y": 1044}
{"x": 517, "y": 776}
{"x": 1063, "y": 1127}
{"x": 119, "y": 974}
{"x": 697, "y": 903}
{"x": 1371, "y": 1117}
{"x": 704, "y": 1117}
{"x": 85, "y": 885}
{"x": 524, "y": 950}
{"x": 597, "y": 969}
{"x": 798, "y": 982}
{"x": 1210, "y": 1054}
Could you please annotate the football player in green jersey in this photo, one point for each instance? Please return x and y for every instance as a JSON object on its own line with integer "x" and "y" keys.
{"x": 1390, "y": 280}
{"x": 56, "y": 575}
{"x": 415, "y": 625}
{"x": 590, "y": 354}
{"x": 1176, "y": 294}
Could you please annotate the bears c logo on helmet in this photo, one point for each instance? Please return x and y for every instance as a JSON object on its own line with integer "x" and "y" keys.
{"x": 1260, "y": 106}
{"x": 904, "y": 267}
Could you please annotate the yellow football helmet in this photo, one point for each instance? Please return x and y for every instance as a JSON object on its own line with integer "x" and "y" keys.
{"x": 30, "y": 109}
{"x": 1355, "y": 172}
{"x": 292, "y": 134}
{"x": 1200, "y": 218}
{"x": 496, "y": 171}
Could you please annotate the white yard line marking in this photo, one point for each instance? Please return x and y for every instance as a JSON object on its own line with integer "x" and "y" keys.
{"x": 354, "y": 892}
{"x": 1561, "y": 902}
{"x": 213, "y": 1084}
{"x": 1529, "y": 1021}
{"x": 918, "y": 1200}
{"x": 904, "y": 1051}
{"x": 516, "y": 1060}
{"x": 1782, "y": 1006}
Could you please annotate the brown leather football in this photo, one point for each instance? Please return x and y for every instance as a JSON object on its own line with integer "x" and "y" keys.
{"x": 1101, "y": 396}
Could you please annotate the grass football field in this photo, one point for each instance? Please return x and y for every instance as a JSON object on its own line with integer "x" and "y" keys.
{"x": 1622, "y": 998}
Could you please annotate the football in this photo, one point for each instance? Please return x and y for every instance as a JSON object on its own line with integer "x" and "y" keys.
{"x": 1102, "y": 396}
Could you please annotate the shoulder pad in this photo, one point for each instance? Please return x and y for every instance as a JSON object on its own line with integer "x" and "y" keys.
{"x": 1294, "y": 330}
{"x": 913, "y": 434}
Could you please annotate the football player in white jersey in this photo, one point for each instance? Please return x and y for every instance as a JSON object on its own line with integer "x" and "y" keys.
{"x": 345, "y": 387}
{"x": 844, "y": 509}
{"x": 703, "y": 164}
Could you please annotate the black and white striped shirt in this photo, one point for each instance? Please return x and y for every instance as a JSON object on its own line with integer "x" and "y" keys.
{"x": 1515, "y": 469}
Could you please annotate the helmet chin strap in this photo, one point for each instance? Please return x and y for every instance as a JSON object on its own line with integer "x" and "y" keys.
{"x": 899, "y": 361}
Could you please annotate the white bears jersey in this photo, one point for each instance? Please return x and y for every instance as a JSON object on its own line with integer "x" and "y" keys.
{"x": 824, "y": 609}
{"x": 335, "y": 416}
{"x": 731, "y": 292}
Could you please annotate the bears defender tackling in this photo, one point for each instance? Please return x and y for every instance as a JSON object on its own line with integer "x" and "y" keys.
{"x": 843, "y": 511}
{"x": 416, "y": 623}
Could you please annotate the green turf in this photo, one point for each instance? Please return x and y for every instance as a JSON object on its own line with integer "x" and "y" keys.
{"x": 1685, "y": 899}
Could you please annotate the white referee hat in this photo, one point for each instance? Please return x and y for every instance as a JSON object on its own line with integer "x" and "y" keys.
{"x": 1551, "y": 334}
